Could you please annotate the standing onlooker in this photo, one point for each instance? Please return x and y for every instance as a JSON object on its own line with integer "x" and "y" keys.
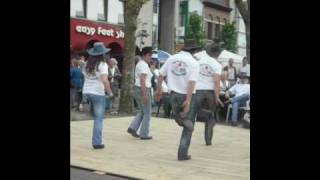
{"x": 142, "y": 95}
{"x": 242, "y": 95}
{"x": 82, "y": 61}
{"x": 155, "y": 74}
{"x": 182, "y": 72}
{"x": 245, "y": 68}
{"x": 114, "y": 79}
{"x": 76, "y": 78}
{"x": 232, "y": 72}
{"x": 96, "y": 85}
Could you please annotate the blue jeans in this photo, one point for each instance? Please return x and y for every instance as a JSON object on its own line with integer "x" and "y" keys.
{"x": 236, "y": 103}
{"x": 186, "y": 135}
{"x": 176, "y": 101}
{"x": 98, "y": 104}
{"x": 144, "y": 113}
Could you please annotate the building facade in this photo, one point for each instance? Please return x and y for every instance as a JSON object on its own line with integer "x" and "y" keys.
{"x": 103, "y": 20}
{"x": 215, "y": 14}
{"x": 241, "y": 29}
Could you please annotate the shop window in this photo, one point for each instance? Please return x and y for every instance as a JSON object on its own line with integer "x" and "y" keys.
{"x": 76, "y": 8}
{"x": 210, "y": 27}
{"x": 217, "y": 30}
{"x": 94, "y": 8}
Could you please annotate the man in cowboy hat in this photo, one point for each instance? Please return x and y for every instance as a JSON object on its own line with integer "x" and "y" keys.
{"x": 182, "y": 72}
{"x": 208, "y": 91}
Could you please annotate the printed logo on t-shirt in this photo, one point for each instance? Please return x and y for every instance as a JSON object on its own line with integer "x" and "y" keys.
{"x": 179, "y": 68}
{"x": 91, "y": 77}
{"x": 206, "y": 70}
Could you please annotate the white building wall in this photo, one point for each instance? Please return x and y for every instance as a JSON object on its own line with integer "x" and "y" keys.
{"x": 115, "y": 14}
{"x": 196, "y": 5}
{"x": 176, "y": 21}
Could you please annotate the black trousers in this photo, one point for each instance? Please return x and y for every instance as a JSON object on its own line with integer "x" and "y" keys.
{"x": 205, "y": 107}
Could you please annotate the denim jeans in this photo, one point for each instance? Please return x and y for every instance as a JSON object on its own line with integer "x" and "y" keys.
{"x": 176, "y": 101}
{"x": 97, "y": 103}
{"x": 203, "y": 100}
{"x": 236, "y": 103}
{"x": 144, "y": 113}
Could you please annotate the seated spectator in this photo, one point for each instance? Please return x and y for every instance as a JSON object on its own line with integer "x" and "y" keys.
{"x": 242, "y": 95}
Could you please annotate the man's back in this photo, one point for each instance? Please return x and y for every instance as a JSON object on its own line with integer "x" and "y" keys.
{"x": 208, "y": 67}
{"x": 180, "y": 69}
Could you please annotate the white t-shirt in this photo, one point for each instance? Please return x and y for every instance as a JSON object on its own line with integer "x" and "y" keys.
{"x": 208, "y": 67}
{"x": 93, "y": 83}
{"x": 245, "y": 69}
{"x": 142, "y": 68}
{"x": 180, "y": 69}
{"x": 240, "y": 89}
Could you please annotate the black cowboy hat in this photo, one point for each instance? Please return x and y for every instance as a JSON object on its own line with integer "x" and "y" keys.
{"x": 191, "y": 45}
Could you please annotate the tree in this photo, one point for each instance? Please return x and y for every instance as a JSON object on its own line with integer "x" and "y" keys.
{"x": 131, "y": 12}
{"x": 195, "y": 31}
{"x": 229, "y": 37}
{"x": 244, "y": 9}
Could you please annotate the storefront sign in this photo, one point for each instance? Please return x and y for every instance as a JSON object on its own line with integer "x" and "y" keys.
{"x": 91, "y": 31}
{"x": 82, "y": 31}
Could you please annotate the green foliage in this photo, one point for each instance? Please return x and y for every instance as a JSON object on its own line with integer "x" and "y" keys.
{"x": 195, "y": 30}
{"x": 229, "y": 37}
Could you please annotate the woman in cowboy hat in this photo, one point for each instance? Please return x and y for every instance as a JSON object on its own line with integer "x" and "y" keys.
{"x": 96, "y": 85}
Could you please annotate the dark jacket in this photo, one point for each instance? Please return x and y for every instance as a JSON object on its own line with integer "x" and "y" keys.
{"x": 116, "y": 79}
{"x": 235, "y": 71}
